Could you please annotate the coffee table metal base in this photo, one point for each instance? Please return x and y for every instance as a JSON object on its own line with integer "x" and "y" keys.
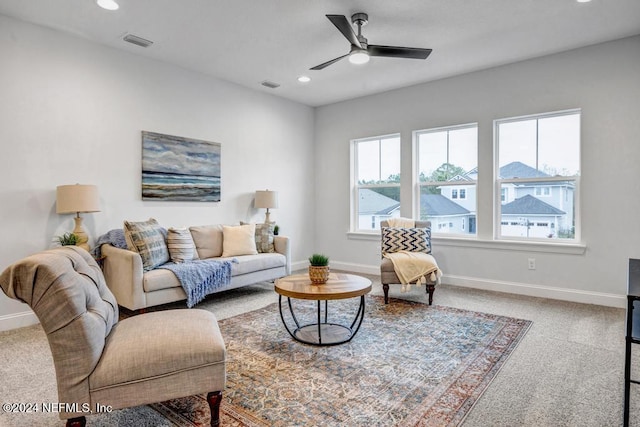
{"x": 322, "y": 332}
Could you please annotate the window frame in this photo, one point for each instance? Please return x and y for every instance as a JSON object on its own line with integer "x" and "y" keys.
{"x": 550, "y": 181}
{"x": 355, "y": 187}
{"x": 416, "y": 184}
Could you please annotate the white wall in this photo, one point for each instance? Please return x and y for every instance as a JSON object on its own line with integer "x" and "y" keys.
{"x": 603, "y": 80}
{"x": 72, "y": 111}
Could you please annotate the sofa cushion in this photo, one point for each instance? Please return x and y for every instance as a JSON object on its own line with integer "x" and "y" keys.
{"x": 159, "y": 279}
{"x": 208, "y": 240}
{"x": 147, "y": 239}
{"x": 180, "y": 244}
{"x": 251, "y": 263}
{"x": 264, "y": 237}
{"x": 238, "y": 240}
{"x": 396, "y": 239}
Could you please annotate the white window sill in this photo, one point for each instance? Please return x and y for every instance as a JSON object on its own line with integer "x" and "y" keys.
{"x": 511, "y": 245}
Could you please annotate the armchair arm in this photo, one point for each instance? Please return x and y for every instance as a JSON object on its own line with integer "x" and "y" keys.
{"x": 282, "y": 246}
{"x": 123, "y": 274}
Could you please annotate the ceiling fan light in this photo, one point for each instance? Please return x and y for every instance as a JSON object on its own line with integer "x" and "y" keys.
{"x": 108, "y": 4}
{"x": 359, "y": 57}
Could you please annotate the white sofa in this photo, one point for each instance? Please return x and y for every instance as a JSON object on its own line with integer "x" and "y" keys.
{"x": 137, "y": 289}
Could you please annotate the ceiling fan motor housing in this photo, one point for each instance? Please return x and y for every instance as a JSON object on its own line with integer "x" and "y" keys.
{"x": 360, "y": 19}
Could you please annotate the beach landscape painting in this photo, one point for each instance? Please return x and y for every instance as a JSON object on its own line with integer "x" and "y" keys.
{"x": 179, "y": 169}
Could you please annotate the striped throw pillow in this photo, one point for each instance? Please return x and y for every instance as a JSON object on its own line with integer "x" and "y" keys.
{"x": 147, "y": 239}
{"x": 180, "y": 244}
{"x": 396, "y": 239}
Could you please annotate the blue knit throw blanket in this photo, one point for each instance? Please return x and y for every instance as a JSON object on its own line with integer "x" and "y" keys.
{"x": 198, "y": 278}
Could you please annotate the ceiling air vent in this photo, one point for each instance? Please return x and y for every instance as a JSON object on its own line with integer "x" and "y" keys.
{"x": 137, "y": 40}
{"x": 270, "y": 85}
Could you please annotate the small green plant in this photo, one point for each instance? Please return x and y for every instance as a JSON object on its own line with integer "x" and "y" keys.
{"x": 276, "y": 230}
{"x": 319, "y": 260}
{"x": 68, "y": 239}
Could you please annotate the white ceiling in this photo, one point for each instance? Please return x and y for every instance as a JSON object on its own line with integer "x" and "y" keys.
{"x": 248, "y": 41}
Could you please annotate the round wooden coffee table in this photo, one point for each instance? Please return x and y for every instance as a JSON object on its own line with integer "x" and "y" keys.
{"x": 322, "y": 332}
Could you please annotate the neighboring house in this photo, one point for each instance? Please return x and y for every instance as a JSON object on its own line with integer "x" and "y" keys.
{"x": 528, "y": 216}
{"x": 536, "y": 209}
{"x": 447, "y": 216}
{"x": 374, "y": 207}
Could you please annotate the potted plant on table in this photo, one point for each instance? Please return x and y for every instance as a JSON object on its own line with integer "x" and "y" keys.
{"x": 68, "y": 239}
{"x": 319, "y": 269}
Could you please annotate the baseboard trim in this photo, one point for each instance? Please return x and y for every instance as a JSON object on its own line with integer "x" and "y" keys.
{"x": 528, "y": 289}
{"x": 17, "y": 320}
{"x": 356, "y": 268}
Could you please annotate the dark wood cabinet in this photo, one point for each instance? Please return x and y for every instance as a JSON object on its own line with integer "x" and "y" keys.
{"x": 633, "y": 330}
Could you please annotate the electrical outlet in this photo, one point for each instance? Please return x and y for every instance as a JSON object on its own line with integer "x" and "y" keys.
{"x": 532, "y": 263}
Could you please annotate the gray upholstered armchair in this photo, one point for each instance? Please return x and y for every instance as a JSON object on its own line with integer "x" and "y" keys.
{"x": 388, "y": 274}
{"x": 98, "y": 360}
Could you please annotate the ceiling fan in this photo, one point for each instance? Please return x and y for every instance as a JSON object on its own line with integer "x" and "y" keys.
{"x": 361, "y": 50}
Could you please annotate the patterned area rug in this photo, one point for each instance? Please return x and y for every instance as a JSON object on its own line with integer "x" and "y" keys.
{"x": 409, "y": 365}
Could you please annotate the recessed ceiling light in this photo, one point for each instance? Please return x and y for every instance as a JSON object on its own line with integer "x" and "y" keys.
{"x": 108, "y": 4}
{"x": 304, "y": 79}
{"x": 583, "y": 1}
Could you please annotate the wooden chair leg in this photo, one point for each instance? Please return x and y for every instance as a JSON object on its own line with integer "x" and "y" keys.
{"x": 385, "y": 288}
{"x": 77, "y": 422}
{"x": 430, "y": 290}
{"x": 214, "y": 399}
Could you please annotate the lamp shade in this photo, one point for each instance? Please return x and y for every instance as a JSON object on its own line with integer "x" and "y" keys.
{"x": 77, "y": 198}
{"x": 266, "y": 199}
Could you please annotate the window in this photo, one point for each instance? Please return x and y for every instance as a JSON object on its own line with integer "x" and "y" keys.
{"x": 376, "y": 181}
{"x": 538, "y": 166}
{"x": 446, "y": 175}
{"x": 543, "y": 191}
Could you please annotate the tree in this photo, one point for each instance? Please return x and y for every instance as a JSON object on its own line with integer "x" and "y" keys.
{"x": 391, "y": 192}
{"x": 444, "y": 172}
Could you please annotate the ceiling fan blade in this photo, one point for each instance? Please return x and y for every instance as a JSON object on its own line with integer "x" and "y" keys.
{"x": 326, "y": 64}
{"x": 342, "y": 24}
{"x": 398, "y": 52}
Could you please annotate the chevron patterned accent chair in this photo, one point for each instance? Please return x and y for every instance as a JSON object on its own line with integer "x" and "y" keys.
{"x": 416, "y": 239}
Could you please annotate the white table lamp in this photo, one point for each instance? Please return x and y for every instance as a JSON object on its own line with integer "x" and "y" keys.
{"x": 75, "y": 199}
{"x": 266, "y": 199}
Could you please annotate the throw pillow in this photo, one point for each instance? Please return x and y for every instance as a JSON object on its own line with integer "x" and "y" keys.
{"x": 238, "y": 240}
{"x": 147, "y": 239}
{"x": 264, "y": 237}
{"x": 208, "y": 240}
{"x": 180, "y": 244}
{"x": 396, "y": 239}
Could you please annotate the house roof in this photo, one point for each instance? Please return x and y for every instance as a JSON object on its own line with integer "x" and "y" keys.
{"x": 371, "y": 202}
{"x": 438, "y": 205}
{"x": 529, "y": 205}
{"x": 520, "y": 170}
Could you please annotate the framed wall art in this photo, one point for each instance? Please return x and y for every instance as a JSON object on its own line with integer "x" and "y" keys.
{"x": 175, "y": 168}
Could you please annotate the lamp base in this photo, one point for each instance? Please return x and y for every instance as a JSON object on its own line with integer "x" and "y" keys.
{"x": 83, "y": 238}
{"x": 267, "y": 219}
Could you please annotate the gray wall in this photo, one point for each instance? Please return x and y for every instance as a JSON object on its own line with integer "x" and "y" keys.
{"x": 603, "y": 80}
{"x": 72, "y": 111}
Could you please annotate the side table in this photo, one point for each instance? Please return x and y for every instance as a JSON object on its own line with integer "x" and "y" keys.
{"x": 322, "y": 332}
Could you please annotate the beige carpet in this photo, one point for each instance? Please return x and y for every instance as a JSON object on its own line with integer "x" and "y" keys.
{"x": 567, "y": 371}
